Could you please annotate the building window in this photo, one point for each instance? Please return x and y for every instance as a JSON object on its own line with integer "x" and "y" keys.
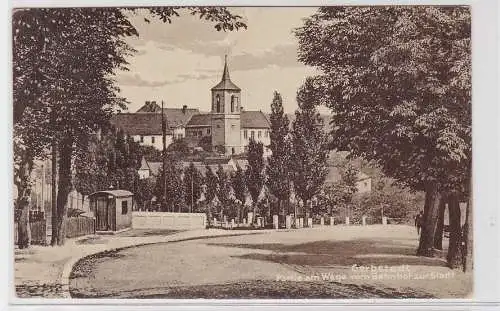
{"x": 266, "y": 133}
{"x": 217, "y": 103}
{"x": 124, "y": 207}
{"x": 252, "y": 134}
{"x": 233, "y": 103}
{"x": 152, "y": 139}
{"x": 208, "y": 131}
{"x": 259, "y": 134}
{"x": 142, "y": 139}
{"x": 245, "y": 134}
{"x": 232, "y": 150}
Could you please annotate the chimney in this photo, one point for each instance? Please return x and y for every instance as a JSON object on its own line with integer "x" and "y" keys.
{"x": 184, "y": 108}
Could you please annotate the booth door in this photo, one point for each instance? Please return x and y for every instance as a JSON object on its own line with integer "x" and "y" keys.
{"x": 102, "y": 214}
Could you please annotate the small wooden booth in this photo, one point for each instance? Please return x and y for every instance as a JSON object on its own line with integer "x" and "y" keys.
{"x": 112, "y": 209}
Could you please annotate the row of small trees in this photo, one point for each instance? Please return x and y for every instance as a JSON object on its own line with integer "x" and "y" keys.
{"x": 182, "y": 190}
{"x": 297, "y": 164}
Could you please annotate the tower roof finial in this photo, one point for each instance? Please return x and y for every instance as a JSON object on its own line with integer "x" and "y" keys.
{"x": 225, "y": 74}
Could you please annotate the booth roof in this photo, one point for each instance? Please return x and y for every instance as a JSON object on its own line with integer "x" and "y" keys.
{"x": 116, "y": 193}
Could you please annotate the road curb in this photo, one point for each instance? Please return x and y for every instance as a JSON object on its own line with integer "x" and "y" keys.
{"x": 68, "y": 266}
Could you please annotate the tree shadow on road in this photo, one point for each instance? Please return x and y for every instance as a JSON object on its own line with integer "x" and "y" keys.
{"x": 260, "y": 289}
{"x": 344, "y": 253}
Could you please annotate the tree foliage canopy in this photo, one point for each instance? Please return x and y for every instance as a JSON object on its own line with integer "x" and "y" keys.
{"x": 310, "y": 150}
{"x": 169, "y": 189}
{"x": 193, "y": 183}
{"x": 398, "y": 80}
{"x": 255, "y": 170}
{"x": 278, "y": 168}
{"x": 239, "y": 184}
{"x": 64, "y": 62}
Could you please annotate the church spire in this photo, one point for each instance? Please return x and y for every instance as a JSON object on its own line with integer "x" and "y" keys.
{"x": 225, "y": 74}
{"x": 226, "y": 83}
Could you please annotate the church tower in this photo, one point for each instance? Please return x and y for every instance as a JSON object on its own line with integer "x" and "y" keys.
{"x": 225, "y": 115}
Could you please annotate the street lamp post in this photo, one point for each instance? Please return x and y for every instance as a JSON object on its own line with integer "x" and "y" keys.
{"x": 164, "y": 155}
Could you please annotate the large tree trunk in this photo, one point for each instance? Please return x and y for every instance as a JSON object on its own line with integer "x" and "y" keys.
{"x": 454, "y": 255}
{"x": 306, "y": 212}
{"x": 432, "y": 199}
{"x": 238, "y": 213}
{"x": 254, "y": 220}
{"x": 53, "y": 200}
{"x": 467, "y": 251}
{"x": 64, "y": 188}
{"x": 438, "y": 236}
{"x": 22, "y": 181}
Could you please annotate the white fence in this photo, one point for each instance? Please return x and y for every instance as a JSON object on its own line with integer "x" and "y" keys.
{"x": 163, "y": 220}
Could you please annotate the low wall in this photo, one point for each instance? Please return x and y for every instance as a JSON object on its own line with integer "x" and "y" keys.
{"x": 163, "y": 220}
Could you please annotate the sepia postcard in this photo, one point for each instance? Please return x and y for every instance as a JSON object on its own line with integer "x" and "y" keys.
{"x": 242, "y": 152}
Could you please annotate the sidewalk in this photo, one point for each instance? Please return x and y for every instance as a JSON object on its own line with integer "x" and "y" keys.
{"x": 43, "y": 271}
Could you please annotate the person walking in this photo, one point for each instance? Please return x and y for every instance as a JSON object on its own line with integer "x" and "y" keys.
{"x": 418, "y": 221}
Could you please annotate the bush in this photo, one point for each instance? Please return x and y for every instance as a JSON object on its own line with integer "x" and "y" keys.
{"x": 397, "y": 204}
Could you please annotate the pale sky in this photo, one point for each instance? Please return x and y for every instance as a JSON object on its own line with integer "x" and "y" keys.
{"x": 180, "y": 62}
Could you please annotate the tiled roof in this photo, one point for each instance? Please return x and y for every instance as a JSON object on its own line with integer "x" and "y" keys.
{"x": 254, "y": 119}
{"x": 149, "y": 123}
{"x": 179, "y": 117}
{"x": 199, "y": 120}
{"x": 216, "y": 160}
{"x": 249, "y": 119}
{"x": 150, "y": 106}
{"x": 138, "y": 123}
{"x": 226, "y": 83}
{"x": 200, "y": 166}
{"x": 175, "y": 116}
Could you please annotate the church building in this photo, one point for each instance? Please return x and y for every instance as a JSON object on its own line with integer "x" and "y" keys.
{"x": 227, "y": 126}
